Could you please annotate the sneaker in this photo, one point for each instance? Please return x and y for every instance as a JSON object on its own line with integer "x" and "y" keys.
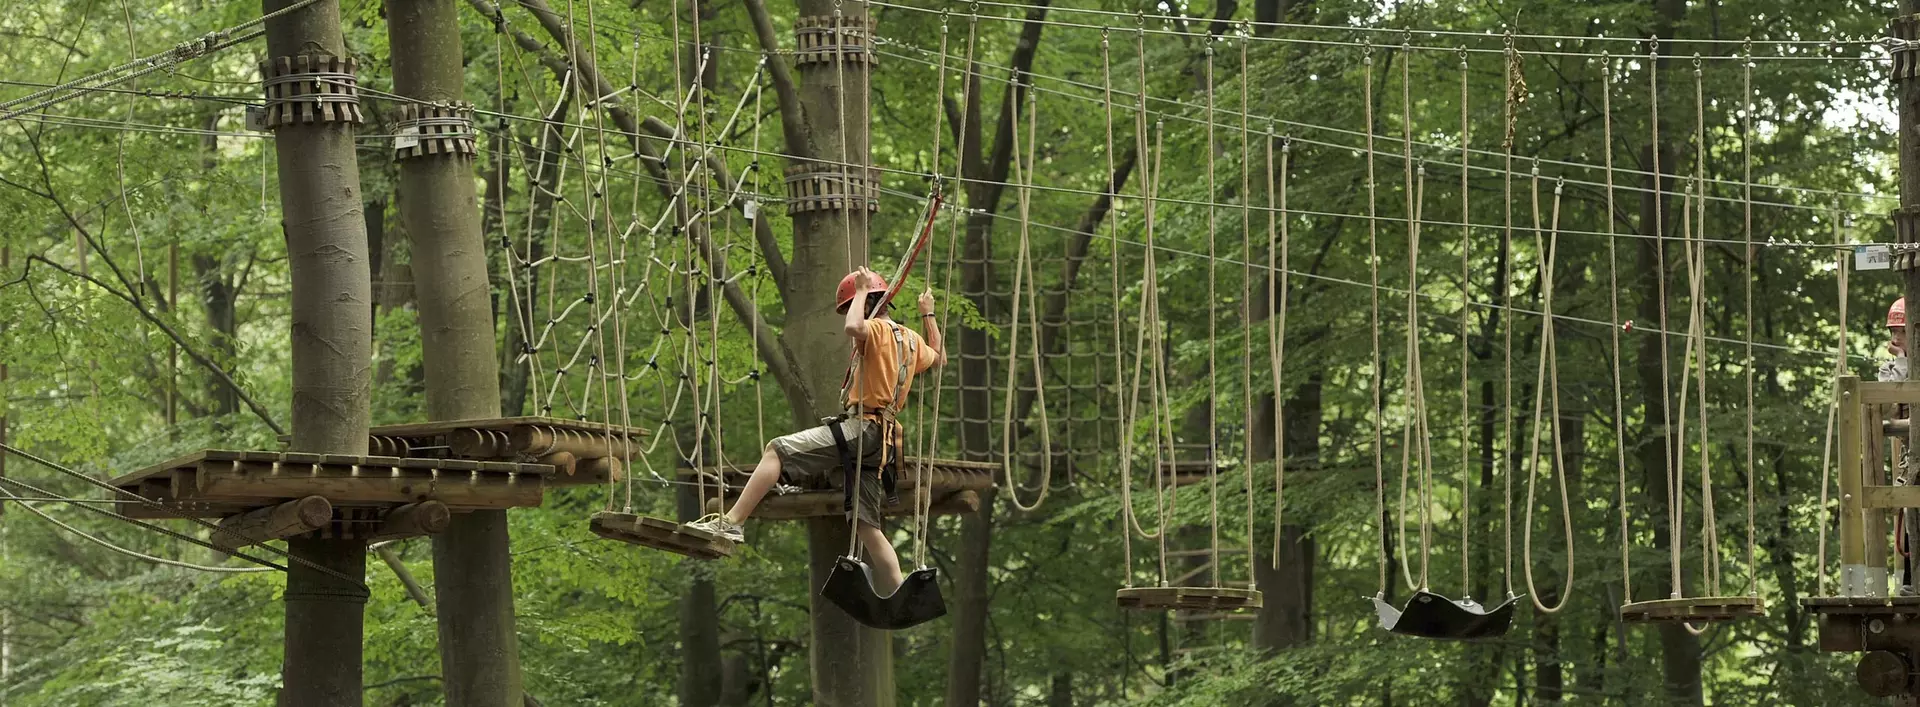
{"x": 719, "y": 525}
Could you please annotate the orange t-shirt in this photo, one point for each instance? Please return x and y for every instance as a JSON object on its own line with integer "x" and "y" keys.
{"x": 879, "y": 374}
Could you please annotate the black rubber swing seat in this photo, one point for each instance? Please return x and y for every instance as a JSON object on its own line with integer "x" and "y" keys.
{"x": 1429, "y": 615}
{"x": 1188, "y": 598}
{"x": 916, "y": 601}
{"x": 1694, "y": 610}
{"x": 660, "y": 535}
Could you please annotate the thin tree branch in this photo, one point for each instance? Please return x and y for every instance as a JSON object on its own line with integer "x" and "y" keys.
{"x": 792, "y": 114}
{"x": 140, "y": 307}
{"x": 773, "y": 352}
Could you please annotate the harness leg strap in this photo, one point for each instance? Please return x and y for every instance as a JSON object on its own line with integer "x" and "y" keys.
{"x": 849, "y": 467}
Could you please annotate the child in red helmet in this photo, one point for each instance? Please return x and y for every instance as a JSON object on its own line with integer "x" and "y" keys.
{"x": 890, "y": 356}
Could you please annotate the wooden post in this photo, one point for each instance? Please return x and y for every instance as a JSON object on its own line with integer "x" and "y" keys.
{"x": 479, "y": 653}
{"x": 1853, "y": 544}
{"x": 332, "y": 343}
{"x": 1907, "y": 96}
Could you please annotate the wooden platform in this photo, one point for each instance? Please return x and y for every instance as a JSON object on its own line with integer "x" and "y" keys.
{"x": 1212, "y": 599}
{"x": 1863, "y": 606}
{"x": 367, "y": 497}
{"x": 660, "y": 535}
{"x": 581, "y": 452}
{"x": 1861, "y": 624}
{"x": 1694, "y": 610}
{"x": 954, "y": 487}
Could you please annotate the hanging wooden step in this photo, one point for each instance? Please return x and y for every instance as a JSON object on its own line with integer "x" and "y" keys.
{"x": 660, "y": 535}
{"x": 1188, "y": 598}
{"x": 954, "y": 486}
{"x": 582, "y": 453}
{"x": 1693, "y": 610}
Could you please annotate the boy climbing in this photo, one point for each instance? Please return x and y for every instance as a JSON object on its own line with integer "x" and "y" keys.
{"x": 887, "y": 358}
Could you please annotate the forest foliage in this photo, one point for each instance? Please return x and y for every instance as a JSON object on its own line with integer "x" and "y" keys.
{"x": 144, "y": 254}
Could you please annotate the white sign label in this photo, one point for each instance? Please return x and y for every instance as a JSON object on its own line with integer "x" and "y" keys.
{"x": 1872, "y": 257}
{"x": 750, "y": 209}
{"x": 256, "y": 119}
{"x": 408, "y": 138}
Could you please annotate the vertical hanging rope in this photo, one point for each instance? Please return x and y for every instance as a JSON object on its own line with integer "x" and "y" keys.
{"x": 1213, "y": 368}
{"x": 1547, "y": 385}
{"x": 1660, "y": 258}
{"x": 1613, "y": 304}
{"x": 1466, "y": 326}
{"x": 929, "y": 439}
{"x": 953, "y": 226}
{"x": 1123, "y": 440}
{"x": 1509, "y": 461}
{"x": 1415, "y": 196}
{"x": 1246, "y": 299}
{"x": 1746, "y": 204}
{"x": 1709, "y": 530}
{"x": 1277, "y": 333}
{"x": 1166, "y": 488}
{"x": 1373, "y": 373}
{"x": 1023, "y": 272}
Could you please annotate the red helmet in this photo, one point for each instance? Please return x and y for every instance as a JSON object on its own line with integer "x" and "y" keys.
{"x": 850, "y": 285}
{"x": 1897, "y": 315}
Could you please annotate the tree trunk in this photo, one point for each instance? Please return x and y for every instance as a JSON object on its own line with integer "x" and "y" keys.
{"x": 479, "y": 652}
{"x": 852, "y": 665}
{"x": 1061, "y": 694}
{"x": 217, "y": 297}
{"x": 332, "y": 345}
{"x": 1680, "y": 651}
{"x": 700, "y": 659}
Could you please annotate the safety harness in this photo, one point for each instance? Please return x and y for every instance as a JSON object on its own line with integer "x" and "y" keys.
{"x": 905, "y": 349}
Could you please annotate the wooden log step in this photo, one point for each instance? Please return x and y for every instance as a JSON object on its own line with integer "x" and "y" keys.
{"x": 260, "y": 525}
{"x": 660, "y": 535}
{"x": 1694, "y": 610}
{"x": 1187, "y": 598}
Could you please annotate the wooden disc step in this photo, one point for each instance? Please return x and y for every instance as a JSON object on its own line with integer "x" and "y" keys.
{"x": 1188, "y": 598}
{"x": 660, "y": 535}
{"x": 1693, "y": 610}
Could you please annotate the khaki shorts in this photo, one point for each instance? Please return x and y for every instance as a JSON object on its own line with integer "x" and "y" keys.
{"x": 810, "y": 460}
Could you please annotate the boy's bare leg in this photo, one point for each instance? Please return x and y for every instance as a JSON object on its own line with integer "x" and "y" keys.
{"x": 882, "y": 560}
{"x": 765, "y": 475}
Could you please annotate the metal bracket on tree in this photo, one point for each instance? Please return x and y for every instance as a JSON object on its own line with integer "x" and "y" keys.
{"x": 437, "y": 129}
{"x": 1906, "y": 230}
{"x": 309, "y": 89}
{"x": 819, "y": 38}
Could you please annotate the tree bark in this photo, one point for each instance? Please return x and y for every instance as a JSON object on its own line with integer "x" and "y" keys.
{"x": 1680, "y": 661}
{"x": 852, "y": 665}
{"x": 701, "y": 679}
{"x": 332, "y": 346}
{"x": 479, "y": 653}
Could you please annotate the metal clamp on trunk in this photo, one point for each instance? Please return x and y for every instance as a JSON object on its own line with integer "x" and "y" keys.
{"x": 309, "y": 89}
{"x": 814, "y": 186}
{"x": 824, "y": 39}
{"x": 433, "y": 129}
